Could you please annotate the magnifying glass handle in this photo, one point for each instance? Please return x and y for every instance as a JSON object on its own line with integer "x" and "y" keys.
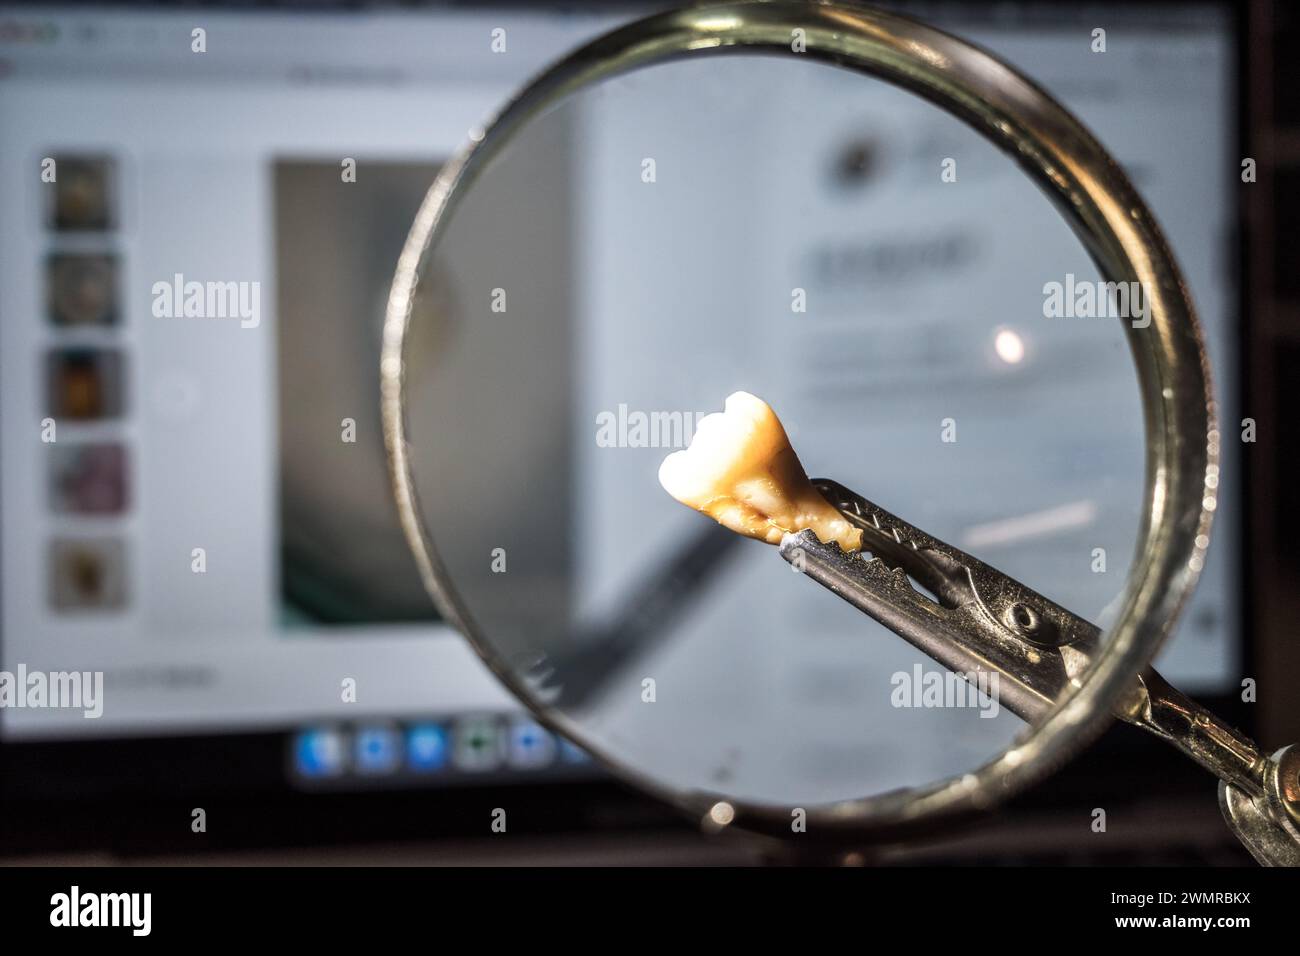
{"x": 971, "y": 618}
{"x": 1259, "y": 795}
{"x": 1162, "y": 709}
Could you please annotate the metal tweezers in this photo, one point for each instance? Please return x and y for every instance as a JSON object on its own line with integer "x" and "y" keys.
{"x": 976, "y": 618}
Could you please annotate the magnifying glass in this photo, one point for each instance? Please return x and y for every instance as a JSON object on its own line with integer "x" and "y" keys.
{"x": 650, "y": 226}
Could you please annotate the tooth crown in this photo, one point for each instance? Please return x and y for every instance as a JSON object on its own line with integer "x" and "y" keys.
{"x": 741, "y": 470}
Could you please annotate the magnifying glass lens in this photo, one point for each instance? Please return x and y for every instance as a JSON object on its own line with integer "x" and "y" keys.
{"x": 896, "y": 287}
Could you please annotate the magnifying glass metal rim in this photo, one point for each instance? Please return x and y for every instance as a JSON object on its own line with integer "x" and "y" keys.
{"x": 1101, "y": 206}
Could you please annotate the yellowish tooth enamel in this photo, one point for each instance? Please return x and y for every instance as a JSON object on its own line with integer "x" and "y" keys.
{"x": 741, "y": 471}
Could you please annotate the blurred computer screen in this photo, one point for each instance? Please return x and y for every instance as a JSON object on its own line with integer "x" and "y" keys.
{"x": 209, "y": 522}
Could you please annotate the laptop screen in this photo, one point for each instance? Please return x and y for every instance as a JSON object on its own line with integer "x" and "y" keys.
{"x": 199, "y": 510}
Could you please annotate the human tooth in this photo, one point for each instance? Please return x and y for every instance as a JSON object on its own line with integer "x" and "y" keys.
{"x": 741, "y": 471}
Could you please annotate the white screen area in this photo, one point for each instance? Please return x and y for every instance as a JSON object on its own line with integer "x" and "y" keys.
{"x": 193, "y": 144}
